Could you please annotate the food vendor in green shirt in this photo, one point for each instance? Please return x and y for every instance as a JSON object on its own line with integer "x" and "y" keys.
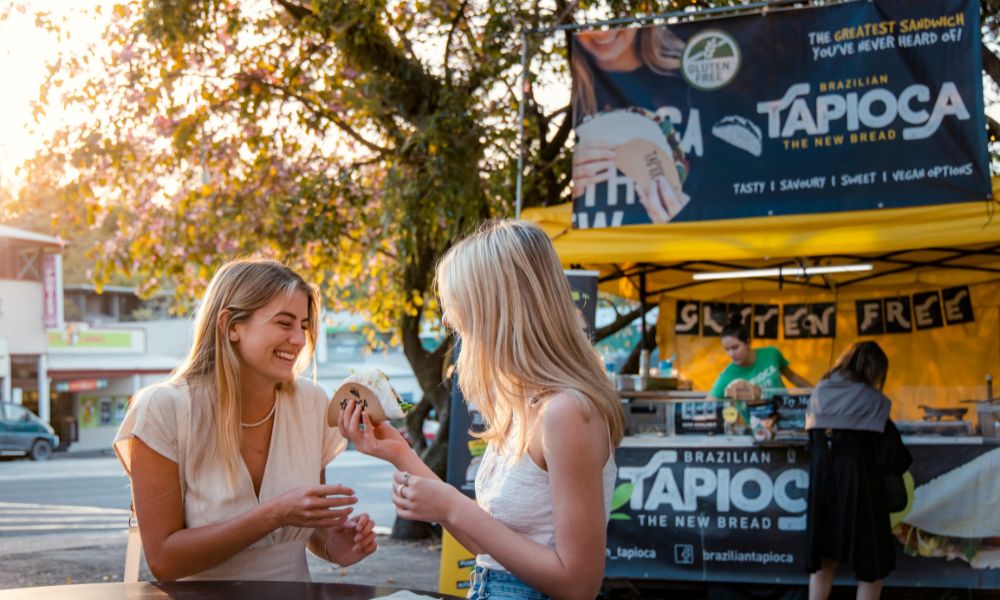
{"x": 763, "y": 367}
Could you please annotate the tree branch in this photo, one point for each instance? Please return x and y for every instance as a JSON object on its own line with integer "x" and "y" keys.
{"x": 993, "y": 127}
{"x": 991, "y": 63}
{"x": 551, "y": 149}
{"x": 407, "y": 85}
{"x": 406, "y": 41}
{"x": 324, "y": 114}
{"x": 622, "y": 321}
{"x": 451, "y": 32}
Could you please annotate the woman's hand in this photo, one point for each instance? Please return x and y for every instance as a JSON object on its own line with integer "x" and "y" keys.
{"x": 312, "y": 507}
{"x": 381, "y": 441}
{"x": 423, "y": 499}
{"x": 593, "y": 163}
{"x": 352, "y": 541}
{"x": 662, "y": 202}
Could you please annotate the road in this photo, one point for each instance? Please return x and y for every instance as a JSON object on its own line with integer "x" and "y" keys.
{"x": 72, "y": 501}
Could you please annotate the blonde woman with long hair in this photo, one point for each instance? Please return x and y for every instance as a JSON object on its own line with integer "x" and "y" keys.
{"x": 227, "y": 456}
{"x": 538, "y": 526}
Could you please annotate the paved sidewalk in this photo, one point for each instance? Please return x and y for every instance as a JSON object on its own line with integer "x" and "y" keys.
{"x": 410, "y": 564}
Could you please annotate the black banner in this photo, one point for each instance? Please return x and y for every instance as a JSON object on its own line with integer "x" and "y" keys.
{"x": 957, "y": 305}
{"x": 924, "y": 310}
{"x": 688, "y": 318}
{"x": 818, "y": 320}
{"x": 897, "y": 315}
{"x": 738, "y": 513}
{"x": 927, "y": 310}
{"x": 855, "y": 106}
{"x": 765, "y": 321}
{"x": 869, "y": 315}
{"x": 583, "y": 285}
{"x": 713, "y": 318}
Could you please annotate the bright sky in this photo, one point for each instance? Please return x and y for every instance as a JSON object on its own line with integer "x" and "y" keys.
{"x": 25, "y": 49}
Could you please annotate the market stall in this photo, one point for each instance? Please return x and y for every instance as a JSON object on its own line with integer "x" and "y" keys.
{"x": 823, "y": 171}
{"x": 701, "y": 500}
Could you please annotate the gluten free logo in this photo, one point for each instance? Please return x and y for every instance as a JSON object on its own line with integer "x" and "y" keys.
{"x": 711, "y": 60}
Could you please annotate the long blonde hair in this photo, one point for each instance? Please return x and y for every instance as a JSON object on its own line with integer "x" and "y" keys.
{"x": 657, "y": 47}
{"x": 505, "y": 294}
{"x": 212, "y": 368}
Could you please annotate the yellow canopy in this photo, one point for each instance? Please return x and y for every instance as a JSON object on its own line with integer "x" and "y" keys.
{"x": 892, "y": 239}
{"x": 857, "y": 232}
{"x": 911, "y": 249}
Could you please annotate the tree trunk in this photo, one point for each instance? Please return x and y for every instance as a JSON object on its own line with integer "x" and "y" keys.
{"x": 429, "y": 369}
{"x": 631, "y": 364}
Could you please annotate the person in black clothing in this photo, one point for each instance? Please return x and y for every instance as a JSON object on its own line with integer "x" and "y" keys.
{"x": 853, "y": 443}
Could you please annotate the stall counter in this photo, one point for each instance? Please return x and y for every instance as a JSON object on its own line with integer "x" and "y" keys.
{"x": 723, "y": 508}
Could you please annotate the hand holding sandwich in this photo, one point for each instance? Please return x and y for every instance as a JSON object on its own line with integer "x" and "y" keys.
{"x": 593, "y": 163}
{"x": 662, "y": 201}
{"x": 381, "y": 441}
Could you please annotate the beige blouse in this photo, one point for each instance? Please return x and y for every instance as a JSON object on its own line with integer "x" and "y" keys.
{"x": 163, "y": 417}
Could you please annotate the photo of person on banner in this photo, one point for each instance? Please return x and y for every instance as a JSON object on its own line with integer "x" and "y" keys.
{"x": 632, "y": 133}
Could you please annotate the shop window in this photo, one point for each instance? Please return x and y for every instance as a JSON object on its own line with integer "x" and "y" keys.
{"x": 104, "y": 411}
{"x": 29, "y": 264}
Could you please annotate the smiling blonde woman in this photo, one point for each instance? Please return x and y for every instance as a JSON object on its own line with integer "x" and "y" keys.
{"x": 227, "y": 456}
{"x": 553, "y": 421}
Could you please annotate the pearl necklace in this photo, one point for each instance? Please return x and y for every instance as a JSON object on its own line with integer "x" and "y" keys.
{"x": 264, "y": 420}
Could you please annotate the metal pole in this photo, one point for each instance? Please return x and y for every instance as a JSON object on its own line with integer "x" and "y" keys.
{"x": 520, "y": 122}
{"x": 736, "y": 10}
{"x": 642, "y": 309}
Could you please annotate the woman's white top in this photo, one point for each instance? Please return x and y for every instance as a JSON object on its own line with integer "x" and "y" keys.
{"x": 517, "y": 493}
{"x": 163, "y": 417}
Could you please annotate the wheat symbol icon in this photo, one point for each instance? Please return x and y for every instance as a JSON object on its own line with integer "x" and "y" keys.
{"x": 708, "y": 50}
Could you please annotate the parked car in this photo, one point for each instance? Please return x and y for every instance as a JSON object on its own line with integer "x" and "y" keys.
{"x": 21, "y": 431}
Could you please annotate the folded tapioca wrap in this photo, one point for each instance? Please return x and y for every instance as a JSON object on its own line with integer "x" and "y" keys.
{"x": 644, "y": 147}
{"x": 372, "y": 390}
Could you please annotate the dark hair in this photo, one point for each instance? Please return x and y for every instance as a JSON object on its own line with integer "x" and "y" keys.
{"x": 864, "y": 362}
{"x": 735, "y": 328}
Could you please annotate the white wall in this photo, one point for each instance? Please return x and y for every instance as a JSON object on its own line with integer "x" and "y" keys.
{"x": 21, "y": 316}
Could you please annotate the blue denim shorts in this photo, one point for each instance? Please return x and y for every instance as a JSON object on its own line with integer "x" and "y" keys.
{"x": 500, "y": 585}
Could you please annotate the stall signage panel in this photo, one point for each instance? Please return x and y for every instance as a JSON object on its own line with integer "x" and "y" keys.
{"x": 708, "y": 513}
{"x": 957, "y": 305}
{"x": 687, "y": 321}
{"x": 856, "y": 106}
{"x": 765, "y": 321}
{"x": 583, "y": 286}
{"x": 745, "y": 311}
{"x": 924, "y": 310}
{"x": 869, "y": 314}
{"x": 897, "y": 315}
{"x": 727, "y": 513}
{"x": 810, "y": 320}
{"x": 714, "y": 318}
{"x": 927, "y": 310}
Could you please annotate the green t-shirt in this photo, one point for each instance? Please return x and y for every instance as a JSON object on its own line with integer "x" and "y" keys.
{"x": 765, "y": 372}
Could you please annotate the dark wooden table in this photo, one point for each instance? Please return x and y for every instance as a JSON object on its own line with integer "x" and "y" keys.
{"x": 208, "y": 590}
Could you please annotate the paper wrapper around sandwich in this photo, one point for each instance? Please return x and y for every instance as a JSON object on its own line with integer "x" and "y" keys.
{"x": 366, "y": 390}
{"x": 643, "y": 161}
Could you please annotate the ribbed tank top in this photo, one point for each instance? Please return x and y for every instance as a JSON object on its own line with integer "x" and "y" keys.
{"x": 518, "y": 495}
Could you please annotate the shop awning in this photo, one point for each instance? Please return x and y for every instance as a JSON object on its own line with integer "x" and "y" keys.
{"x": 932, "y": 244}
